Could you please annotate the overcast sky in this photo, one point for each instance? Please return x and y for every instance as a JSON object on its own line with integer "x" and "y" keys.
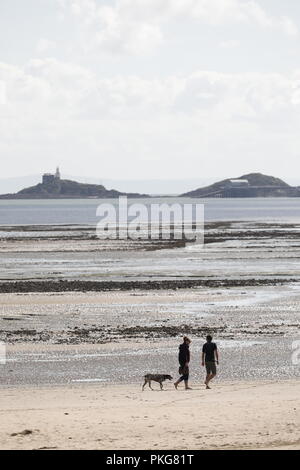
{"x": 131, "y": 89}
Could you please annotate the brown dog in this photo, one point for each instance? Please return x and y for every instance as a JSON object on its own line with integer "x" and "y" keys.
{"x": 156, "y": 378}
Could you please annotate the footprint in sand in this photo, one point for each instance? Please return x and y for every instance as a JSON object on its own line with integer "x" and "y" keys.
{"x": 26, "y": 432}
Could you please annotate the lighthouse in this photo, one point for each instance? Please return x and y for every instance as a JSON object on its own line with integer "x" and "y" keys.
{"x": 49, "y": 178}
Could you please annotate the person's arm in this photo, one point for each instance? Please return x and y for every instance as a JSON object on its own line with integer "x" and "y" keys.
{"x": 203, "y": 357}
{"x": 217, "y": 355}
{"x": 188, "y": 357}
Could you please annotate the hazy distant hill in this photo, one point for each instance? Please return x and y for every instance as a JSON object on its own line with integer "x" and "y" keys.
{"x": 64, "y": 189}
{"x": 148, "y": 186}
{"x": 250, "y": 185}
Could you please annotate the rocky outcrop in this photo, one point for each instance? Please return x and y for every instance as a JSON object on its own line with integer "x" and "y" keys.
{"x": 250, "y": 185}
{"x": 67, "y": 189}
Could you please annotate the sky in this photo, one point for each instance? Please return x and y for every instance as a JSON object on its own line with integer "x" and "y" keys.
{"x": 150, "y": 89}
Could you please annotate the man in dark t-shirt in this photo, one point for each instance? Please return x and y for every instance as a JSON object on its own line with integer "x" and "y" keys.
{"x": 210, "y": 357}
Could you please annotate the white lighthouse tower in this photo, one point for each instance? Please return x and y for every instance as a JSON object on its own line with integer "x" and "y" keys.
{"x": 57, "y": 173}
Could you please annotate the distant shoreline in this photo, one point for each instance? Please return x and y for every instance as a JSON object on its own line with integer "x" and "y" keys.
{"x": 142, "y": 196}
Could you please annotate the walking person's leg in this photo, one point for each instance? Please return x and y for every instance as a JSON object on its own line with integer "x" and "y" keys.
{"x": 186, "y": 381}
{"x": 184, "y": 378}
{"x": 178, "y": 381}
{"x": 208, "y": 379}
{"x": 211, "y": 372}
{"x": 207, "y": 374}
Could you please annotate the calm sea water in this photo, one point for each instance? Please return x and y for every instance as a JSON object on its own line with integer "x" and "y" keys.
{"x": 83, "y": 211}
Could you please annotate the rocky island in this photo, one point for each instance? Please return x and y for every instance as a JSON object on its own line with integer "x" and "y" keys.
{"x": 53, "y": 187}
{"x": 250, "y": 185}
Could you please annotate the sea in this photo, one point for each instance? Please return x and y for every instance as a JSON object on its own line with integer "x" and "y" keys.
{"x": 83, "y": 211}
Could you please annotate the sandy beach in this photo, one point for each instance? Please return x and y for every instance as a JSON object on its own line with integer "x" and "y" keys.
{"x": 81, "y": 329}
{"x": 261, "y": 415}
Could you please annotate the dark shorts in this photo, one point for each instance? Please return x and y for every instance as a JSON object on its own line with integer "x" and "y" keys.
{"x": 211, "y": 367}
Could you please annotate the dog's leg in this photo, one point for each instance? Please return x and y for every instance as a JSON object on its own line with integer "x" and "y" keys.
{"x": 144, "y": 385}
{"x": 161, "y": 385}
{"x": 150, "y": 384}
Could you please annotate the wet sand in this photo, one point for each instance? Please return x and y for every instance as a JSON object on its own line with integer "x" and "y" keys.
{"x": 230, "y": 416}
{"x": 235, "y": 253}
{"x": 82, "y": 323}
{"x": 118, "y": 336}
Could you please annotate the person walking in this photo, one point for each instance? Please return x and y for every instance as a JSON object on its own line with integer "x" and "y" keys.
{"x": 184, "y": 360}
{"x": 210, "y": 357}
